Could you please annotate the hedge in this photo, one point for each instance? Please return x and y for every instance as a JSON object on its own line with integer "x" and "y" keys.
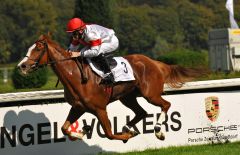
{"x": 35, "y": 79}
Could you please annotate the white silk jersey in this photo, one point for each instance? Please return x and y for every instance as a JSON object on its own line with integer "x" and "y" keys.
{"x": 97, "y": 40}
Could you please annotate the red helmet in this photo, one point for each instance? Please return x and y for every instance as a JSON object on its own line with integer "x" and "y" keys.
{"x": 74, "y": 24}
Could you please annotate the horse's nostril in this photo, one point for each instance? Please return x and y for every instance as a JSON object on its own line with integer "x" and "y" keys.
{"x": 23, "y": 66}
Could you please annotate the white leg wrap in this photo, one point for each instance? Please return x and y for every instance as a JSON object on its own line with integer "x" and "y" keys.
{"x": 127, "y": 129}
{"x": 162, "y": 117}
{"x": 158, "y": 131}
{"x": 78, "y": 135}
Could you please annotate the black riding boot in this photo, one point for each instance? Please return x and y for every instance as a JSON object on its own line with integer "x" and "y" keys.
{"x": 109, "y": 79}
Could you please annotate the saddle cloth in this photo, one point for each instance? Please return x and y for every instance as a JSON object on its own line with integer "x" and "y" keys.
{"x": 122, "y": 72}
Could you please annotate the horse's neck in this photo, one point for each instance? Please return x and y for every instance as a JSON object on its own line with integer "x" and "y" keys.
{"x": 57, "y": 57}
{"x": 66, "y": 68}
{"x": 55, "y": 54}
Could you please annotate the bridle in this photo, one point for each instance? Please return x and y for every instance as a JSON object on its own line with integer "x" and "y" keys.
{"x": 43, "y": 51}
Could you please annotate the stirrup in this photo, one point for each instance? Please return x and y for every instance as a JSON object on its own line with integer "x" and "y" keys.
{"x": 109, "y": 79}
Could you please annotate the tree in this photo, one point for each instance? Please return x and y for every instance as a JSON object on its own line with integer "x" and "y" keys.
{"x": 149, "y": 2}
{"x": 96, "y": 11}
{"x": 187, "y": 58}
{"x": 24, "y": 21}
{"x": 4, "y": 40}
{"x": 156, "y": 26}
{"x": 161, "y": 47}
{"x": 65, "y": 11}
{"x": 136, "y": 33}
{"x": 220, "y": 11}
{"x": 4, "y": 51}
{"x": 196, "y": 20}
{"x": 166, "y": 21}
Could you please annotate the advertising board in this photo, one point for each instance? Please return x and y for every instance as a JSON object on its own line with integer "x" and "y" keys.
{"x": 194, "y": 118}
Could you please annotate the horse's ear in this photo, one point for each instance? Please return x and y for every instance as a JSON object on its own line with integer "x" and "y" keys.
{"x": 41, "y": 37}
{"x": 49, "y": 34}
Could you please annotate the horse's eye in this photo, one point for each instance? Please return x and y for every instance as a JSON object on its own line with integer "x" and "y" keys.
{"x": 37, "y": 49}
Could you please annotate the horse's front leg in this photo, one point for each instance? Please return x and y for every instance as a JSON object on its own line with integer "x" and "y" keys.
{"x": 73, "y": 116}
{"x": 106, "y": 125}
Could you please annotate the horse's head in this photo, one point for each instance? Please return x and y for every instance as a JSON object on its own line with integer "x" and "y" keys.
{"x": 37, "y": 55}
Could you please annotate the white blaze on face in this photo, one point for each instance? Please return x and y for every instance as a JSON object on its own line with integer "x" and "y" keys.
{"x": 27, "y": 56}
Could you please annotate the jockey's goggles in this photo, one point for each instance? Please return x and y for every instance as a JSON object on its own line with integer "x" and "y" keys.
{"x": 77, "y": 33}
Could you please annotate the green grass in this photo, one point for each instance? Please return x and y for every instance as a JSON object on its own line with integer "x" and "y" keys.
{"x": 214, "y": 149}
{"x": 50, "y": 85}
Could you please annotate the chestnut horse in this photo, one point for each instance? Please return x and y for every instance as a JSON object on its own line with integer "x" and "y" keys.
{"x": 150, "y": 76}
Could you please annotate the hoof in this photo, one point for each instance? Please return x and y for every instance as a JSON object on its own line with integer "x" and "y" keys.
{"x": 133, "y": 133}
{"x": 86, "y": 129}
{"x": 129, "y": 136}
{"x": 160, "y": 135}
{"x": 80, "y": 134}
{"x": 72, "y": 138}
{"x": 76, "y": 135}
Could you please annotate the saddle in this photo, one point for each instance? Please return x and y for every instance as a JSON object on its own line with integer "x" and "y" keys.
{"x": 104, "y": 63}
{"x": 119, "y": 66}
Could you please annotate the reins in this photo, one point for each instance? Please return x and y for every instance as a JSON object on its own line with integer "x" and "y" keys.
{"x": 80, "y": 66}
{"x": 41, "y": 55}
{"x": 54, "y": 62}
{"x": 84, "y": 78}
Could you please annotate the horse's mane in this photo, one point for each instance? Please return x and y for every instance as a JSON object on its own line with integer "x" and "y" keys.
{"x": 54, "y": 44}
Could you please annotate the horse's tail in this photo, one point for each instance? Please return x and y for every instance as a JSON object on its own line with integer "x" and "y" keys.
{"x": 179, "y": 75}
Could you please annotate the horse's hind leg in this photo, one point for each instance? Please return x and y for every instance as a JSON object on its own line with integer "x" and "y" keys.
{"x": 106, "y": 125}
{"x": 130, "y": 101}
{"x": 165, "y": 105}
{"x": 151, "y": 89}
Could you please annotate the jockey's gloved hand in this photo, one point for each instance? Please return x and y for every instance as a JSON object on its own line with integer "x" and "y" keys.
{"x": 75, "y": 54}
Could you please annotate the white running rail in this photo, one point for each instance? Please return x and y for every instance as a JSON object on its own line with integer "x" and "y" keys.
{"x": 58, "y": 94}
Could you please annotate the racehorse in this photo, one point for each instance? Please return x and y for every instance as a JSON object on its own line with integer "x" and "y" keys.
{"x": 150, "y": 76}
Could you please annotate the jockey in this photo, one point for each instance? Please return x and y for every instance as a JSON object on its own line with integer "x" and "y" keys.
{"x": 98, "y": 43}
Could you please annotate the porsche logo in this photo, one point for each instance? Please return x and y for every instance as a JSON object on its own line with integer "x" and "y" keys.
{"x": 212, "y": 108}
